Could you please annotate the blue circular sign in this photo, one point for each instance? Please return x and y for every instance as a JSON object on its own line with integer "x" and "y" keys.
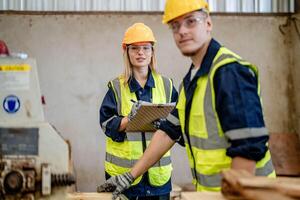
{"x": 11, "y": 104}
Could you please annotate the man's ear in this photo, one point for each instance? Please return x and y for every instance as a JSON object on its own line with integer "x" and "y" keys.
{"x": 209, "y": 24}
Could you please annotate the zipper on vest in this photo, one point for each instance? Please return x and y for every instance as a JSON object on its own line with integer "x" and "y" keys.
{"x": 192, "y": 153}
{"x": 188, "y": 106}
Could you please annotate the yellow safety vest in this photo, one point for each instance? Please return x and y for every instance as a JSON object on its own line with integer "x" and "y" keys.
{"x": 206, "y": 143}
{"x": 121, "y": 156}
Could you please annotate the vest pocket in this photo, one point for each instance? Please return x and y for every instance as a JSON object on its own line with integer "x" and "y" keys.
{"x": 197, "y": 126}
{"x": 211, "y": 161}
{"x": 159, "y": 176}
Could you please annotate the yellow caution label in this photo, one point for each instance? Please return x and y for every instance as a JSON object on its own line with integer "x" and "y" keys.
{"x": 18, "y": 68}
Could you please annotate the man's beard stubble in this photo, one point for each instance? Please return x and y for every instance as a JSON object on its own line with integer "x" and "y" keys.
{"x": 189, "y": 54}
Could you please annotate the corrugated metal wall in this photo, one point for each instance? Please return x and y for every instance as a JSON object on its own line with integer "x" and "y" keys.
{"x": 253, "y": 6}
{"x": 247, "y": 6}
{"x": 83, "y": 5}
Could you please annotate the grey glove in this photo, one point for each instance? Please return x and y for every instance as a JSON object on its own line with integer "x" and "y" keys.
{"x": 135, "y": 107}
{"x": 116, "y": 184}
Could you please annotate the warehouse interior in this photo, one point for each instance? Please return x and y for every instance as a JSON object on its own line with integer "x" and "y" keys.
{"x": 77, "y": 49}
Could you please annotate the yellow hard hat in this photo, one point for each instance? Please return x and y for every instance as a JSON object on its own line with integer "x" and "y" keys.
{"x": 138, "y": 32}
{"x": 176, "y": 8}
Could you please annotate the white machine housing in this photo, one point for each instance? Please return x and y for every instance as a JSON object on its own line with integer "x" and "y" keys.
{"x": 34, "y": 158}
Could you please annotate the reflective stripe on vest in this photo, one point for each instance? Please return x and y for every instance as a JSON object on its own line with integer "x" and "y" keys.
{"x": 130, "y": 163}
{"x": 174, "y": 120}
{"x": 208, "y": 180}
{"x": 104, "y": 124}
{"x": 115, "y": 85}
{"x": 137, "y": 136}
{"x": 121, "y": 156}
{"x": 168, "y": 88}
{"x": 207, "y": 140}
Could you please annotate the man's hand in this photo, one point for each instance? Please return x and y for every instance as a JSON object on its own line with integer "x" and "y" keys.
{"x": 134, "y": 109}
{"x": 116, "y": 184}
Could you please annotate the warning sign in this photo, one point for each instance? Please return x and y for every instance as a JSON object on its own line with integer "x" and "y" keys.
{"x": 19, "y": 68}
{"x": 15, "y": 77}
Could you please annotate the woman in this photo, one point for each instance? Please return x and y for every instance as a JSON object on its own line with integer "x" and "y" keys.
{"x": 140, "y": 81}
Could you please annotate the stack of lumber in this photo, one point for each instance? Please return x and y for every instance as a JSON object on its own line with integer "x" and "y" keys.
{"x": 242, "y": 185}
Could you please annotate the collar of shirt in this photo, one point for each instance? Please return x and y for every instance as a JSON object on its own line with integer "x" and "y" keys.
{"x": 135, "y": 86}
{"x": 204, "y": 69}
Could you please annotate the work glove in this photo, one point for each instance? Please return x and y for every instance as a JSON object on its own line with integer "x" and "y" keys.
{"x": 116, "y": 185}
{"x": 134, "y": 109}
{"x": 158, "y": 122}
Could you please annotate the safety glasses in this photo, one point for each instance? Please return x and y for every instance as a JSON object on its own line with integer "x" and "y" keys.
{"x": 137, "y": 48}
{"x": 189, "y": 22}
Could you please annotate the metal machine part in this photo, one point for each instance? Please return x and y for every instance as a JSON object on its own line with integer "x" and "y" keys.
{"x": 13, "y": 182}
{"x": 17, "y": 177}
{"x": 34, "y": 158}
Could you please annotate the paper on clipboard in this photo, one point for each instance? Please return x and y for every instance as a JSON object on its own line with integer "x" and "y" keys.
{"x": 146, "y": 114}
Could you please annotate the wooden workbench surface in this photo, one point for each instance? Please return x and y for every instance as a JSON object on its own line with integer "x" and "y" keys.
{"x": 184, "y": 196}
{"x": 89, "y": 196}
{"x": 202, "y": 196}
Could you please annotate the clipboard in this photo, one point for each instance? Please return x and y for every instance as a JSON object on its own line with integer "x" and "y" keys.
{"x": 146, "y": 114}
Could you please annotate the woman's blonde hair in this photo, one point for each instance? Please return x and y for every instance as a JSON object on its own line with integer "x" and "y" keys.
{"x": 128, "y": 72}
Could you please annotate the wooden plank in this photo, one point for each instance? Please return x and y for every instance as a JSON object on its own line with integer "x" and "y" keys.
{"x": 264, "y": 194}
{"x": 202, "y": 195}
{"x": 242, "y": 183}
{"x": 89, "y": 196}
{"x": 283, "y": 185}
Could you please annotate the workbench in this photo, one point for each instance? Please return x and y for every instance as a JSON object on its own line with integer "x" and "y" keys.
{"x": 202, "y": 196}
{"x": 184, "y": 196}
{"x": 89, "y": 196}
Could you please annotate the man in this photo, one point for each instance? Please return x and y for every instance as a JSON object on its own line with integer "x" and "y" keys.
{"x": 218, "y": 113}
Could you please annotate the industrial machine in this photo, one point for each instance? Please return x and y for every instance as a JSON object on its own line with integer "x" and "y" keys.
{"x": 34, "y": 158}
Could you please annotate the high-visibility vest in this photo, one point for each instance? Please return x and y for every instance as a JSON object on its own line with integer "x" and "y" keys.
{"x": 121, "y": 156}
{"x": 205, "y": 141}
